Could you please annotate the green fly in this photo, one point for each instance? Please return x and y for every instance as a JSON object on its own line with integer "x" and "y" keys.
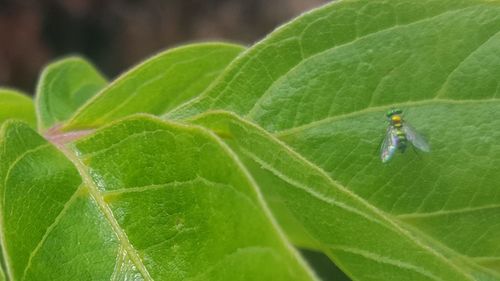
{"x": 398, "y": 134}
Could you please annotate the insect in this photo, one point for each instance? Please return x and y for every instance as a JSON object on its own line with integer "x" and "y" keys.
{"x": 398, "y": 134}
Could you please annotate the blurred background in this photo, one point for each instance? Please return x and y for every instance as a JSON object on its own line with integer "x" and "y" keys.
{"x": 116, "y": 34}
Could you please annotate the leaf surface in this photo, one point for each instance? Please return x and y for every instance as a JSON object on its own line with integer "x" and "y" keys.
{"x": 158, "y": 84}
{"x": 329, "y": 77}
{"x": 138, "y": 200}
{"x": 157, "y": 200}
{"x": 369, "y": 244}
{"x": 15, "y": 105}
{"x": 63, "y": 87}
{"x": 352, "y": 45}
{"x": 450, "y": 195}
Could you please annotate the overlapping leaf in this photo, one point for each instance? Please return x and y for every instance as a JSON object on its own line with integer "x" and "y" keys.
{"x": 15, "y": 105}
{"x": 63, "y": 87}
{"x": 330, "y": 76}
{"x": 320, "y": 213}
{"x": 158, "y": 84}
{"x": 139, "y": 200}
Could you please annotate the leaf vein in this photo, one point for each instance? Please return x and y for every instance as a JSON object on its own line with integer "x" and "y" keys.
{"x": 125, "y": 139}
{"x": 291, "y": 131}
{"x": 49, "y": 229}
{"x": 386, "y": 260}
{"x": 308, "y": 190}
{"x": 17, "y": 160}
{"x": 356, "y": 39}
{"x": 448, "y": 212}
{"x": 441, "y": 91}
{"x": 108, "y": 214}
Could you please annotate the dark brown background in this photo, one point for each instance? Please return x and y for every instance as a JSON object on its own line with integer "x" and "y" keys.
{"x": 117, "y": 34}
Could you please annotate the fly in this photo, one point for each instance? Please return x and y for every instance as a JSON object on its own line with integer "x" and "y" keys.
{"x": 397, "y": 136}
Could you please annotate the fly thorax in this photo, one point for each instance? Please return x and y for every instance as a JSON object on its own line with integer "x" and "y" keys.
{"x": 396, "y": 120}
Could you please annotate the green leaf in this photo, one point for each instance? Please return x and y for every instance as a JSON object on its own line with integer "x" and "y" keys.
{"x": 323, "y": 83}
{"x": 139, "y": 200}
{"x": 143, "y": 199}
{"x": 449, "y": 196}
{"x": 158, "y": 84}
{"x": 15, "y": 105}
{"x": 367, "y": 243}
{"x": 63, "y": 87}
{"x": 351, "y": 47}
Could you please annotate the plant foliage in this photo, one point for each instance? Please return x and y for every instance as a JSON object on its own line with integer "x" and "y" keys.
{"x": 211, "y": 162}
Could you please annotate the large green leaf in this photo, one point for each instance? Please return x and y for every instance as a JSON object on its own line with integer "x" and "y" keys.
{"x": 450, "y": 195}
{"x": 139, "y": 200}
{"x": 15, "y": 105}
{"x": 320, "y": 213}
{"x": 158, "y": 84}
{"x": 323, "y": 83}
{"x": 334, "y": 58}
{"x": 63, "y": 87}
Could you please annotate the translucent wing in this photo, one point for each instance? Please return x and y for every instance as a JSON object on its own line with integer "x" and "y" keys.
{"x": 415, "y": 138}
{"x": 389, "y": 145}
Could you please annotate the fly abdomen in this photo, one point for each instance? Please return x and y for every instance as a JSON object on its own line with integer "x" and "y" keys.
{"x": 402, "y": 145}
{"x": 401, "y": 140}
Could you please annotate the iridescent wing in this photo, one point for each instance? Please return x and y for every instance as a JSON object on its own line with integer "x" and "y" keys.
{"x": 415, "y": 138}
{"x": 389, "y": 145}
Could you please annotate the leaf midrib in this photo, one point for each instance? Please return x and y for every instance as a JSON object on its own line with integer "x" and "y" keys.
{"x": 290, "y": 131}
{"x": 100, "y": 196}
{"x": 397, "y": 225}
{"x": 260, "y": 198}
{"x": 383, "y": 259}
{"x": 398, "y": 219}
{"x": 108, "y": 214}
{"x": 396, "y": 26}
{"x": 330, "y": 201}
{"x": 467, "y": 259}
{"x": 256, "y": 49}
{"x": 447, "y": 212}
{"x": 311, "y": 192}
{"x": 400, "y": 225}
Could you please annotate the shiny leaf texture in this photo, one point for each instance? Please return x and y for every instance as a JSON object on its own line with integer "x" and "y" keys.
{"x": 329, "y": 77}
{"x": 139, "y": 200}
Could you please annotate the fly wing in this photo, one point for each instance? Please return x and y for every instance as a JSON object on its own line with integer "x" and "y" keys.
{"x": 415, "y": 138}
{"x": 389, "y": 145}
